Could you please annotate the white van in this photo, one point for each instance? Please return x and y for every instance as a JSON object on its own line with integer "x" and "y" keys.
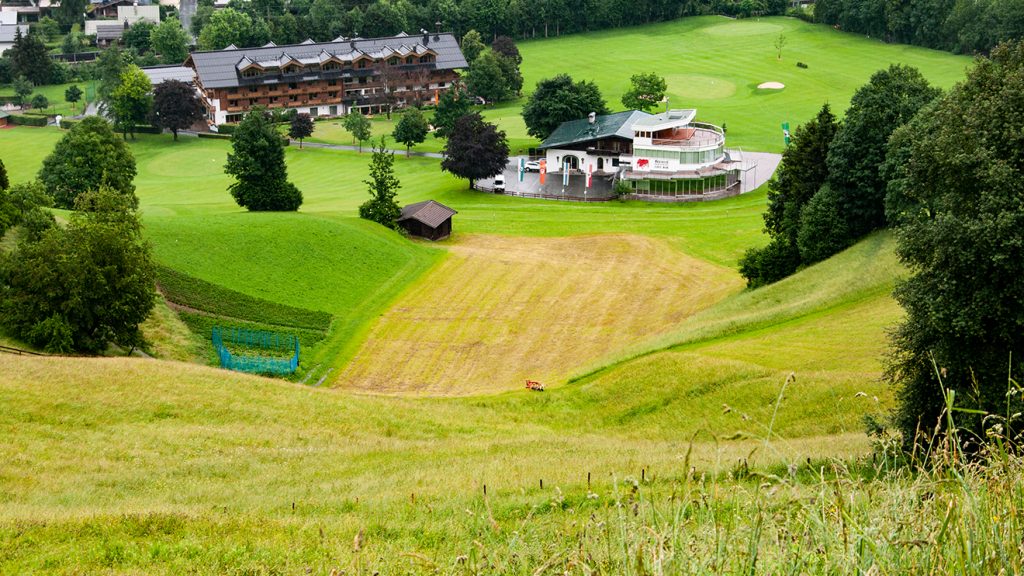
{"x": 499, "y": 184}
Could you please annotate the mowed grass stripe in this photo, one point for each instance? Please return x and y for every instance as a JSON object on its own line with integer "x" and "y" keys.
{"x": 500, "y": 310}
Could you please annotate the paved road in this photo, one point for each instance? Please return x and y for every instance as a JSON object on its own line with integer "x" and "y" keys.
{"x": 187, "y": 9}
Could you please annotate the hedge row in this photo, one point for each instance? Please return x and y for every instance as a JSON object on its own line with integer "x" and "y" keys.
{"x": 192, "y": 292}
{"x": 19, "y": 120}
{"x": 227, "y": 129}
{"x": 213, "y": 135}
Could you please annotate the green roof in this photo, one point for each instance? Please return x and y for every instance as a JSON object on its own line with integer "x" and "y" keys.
{"x": 578, "y": 131}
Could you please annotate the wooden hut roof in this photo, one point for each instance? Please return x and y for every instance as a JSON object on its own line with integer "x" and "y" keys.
{"x": 430, "y": 213}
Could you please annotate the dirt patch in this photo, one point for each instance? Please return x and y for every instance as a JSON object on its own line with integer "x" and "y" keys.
{"x": 500, "y": 310}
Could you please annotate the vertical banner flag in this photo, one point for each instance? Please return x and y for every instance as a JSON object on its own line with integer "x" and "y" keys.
{"x": 522, "y": 168}
{"x": 565, "y": 174}
{"x": 785, "y": 132}
{"x": 590, "y": 175}
{"x": 437, "y": 98}
{"x": 543, "y": 170}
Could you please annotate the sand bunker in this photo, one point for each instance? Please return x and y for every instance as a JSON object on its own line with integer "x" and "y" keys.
{"x": 771, "y": 86}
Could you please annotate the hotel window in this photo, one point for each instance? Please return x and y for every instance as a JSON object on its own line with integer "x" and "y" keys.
{"x": 293, "y": 98}
{"x": 292, "y": 85}
{"x": 362, "y": 64}
{"x": 393, "y": 61}
{"x": 329, "y": 66}
{"x": 426, "y": 59}
{"x": 410, "y": 60}
{"x": 252, "y": 89}
{"x": 332, "y": 82}
{"x": 251, "y": 73}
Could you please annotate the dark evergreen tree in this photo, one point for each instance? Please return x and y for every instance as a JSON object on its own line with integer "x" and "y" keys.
{"x": 505, "y": 46}
{"x": 301, "y": 127}
{"x": 29, "y": 58}
{"x": 382, "y": 207}
{"x": 257, "y": 163}
{"x": 475, "y": 149}
{"x": 558, "y": 100}
{"x": 175, "y": 106}
{"x": 891, "y": 98}
{"x": 798, "y": 178}
{"x": 89, "y": 156}
{"x": 70, "y": 12}
{"x": 964, "y": 299}
{"x": 137, "y": 37}
{"x": 5, "y": 183}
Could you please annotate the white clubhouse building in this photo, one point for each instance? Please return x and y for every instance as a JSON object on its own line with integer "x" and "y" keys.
{"x": 663, "y": 156}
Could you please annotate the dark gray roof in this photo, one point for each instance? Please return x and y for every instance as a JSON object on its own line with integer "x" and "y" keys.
{"x": 158, "y": 74}
{"x": 7, "y": 31}
{"x": 431, "y": 213}
{"x": 221, "y": 68}
{"x": 578, "y": 131}
{"x": 109, "y": 31}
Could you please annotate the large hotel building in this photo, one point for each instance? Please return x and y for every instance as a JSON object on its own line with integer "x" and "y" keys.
{"x": 327, "y": 79}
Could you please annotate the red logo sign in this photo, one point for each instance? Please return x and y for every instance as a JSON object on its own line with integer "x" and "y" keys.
{"x": 642, "y": 163}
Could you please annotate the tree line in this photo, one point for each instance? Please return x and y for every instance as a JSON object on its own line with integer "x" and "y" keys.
{"x": 944, "y": 172}
{"x": 255, "y": 22}
{"x": 962, "y": 26}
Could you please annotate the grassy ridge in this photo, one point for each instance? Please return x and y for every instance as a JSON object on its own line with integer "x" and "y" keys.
{"x": 185, "y": 290}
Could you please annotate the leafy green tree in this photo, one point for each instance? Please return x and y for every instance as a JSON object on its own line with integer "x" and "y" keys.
{"x": 229, "y": 26}
{"x": 472, "y": 46}
{"x": 48, "y": 27}
{"x": 110, "y": 65}
{"x": 137, "y": 37}
{"x": 22, "y": 90}
{"x": 358, "y": 126}
{"x": 382, "y": 207}
{"x": 558, "y": 100}
{"x": 19, "y": 204}
{"x": 40, "y": 102}
{"x": 29, "y": 58}
{"x": 475, "y": 149}
{"x": 451, "y": 106}
{"x": 82, "y": 287}
{"x": 486, "y": 78}
{"x": 72, "y": 43}
{"x": 891, "y": 98}
{"x": 130, "y": 102}
{"x": 798, "y": 179}
{"x": 170, "y": 41}
{"x": 822, "y": 227}
{"x": 72, "y": 95}
{"x": 411, "y": 129}
{"x": 301, "y": 127}
{"x": 510, "y": 74}
{"x": 5, "y": 183}
{"x": 257, "y": 163}
{"x": 87, "y": 157}
{"x": 646, "y": 91}
{"x": 175, "y": 106}
{"x": 964, "y": 298}
{"x": 383, "y": 18}
{"x": 70, "y": 12}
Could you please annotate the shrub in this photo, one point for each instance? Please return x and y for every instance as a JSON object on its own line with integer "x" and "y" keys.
{"x": 801, "y": 65}
{"x": 20, "y": 120}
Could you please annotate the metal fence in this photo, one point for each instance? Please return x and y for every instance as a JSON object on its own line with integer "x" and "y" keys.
{"x": 268, "y": 354}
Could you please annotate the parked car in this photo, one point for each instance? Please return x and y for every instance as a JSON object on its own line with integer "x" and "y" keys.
{"x": 499, "y": 183}
{"x": 532, "y": 166}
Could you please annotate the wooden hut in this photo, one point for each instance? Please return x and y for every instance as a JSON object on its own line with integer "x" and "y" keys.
{"x": 3, "y": 119}
{"x": 429, "y": 219}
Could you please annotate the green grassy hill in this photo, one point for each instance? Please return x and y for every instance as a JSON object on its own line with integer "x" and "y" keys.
{"x": 132, "y": 465}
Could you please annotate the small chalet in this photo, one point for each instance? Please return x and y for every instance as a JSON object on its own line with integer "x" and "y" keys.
{"x": 429, "y": 219}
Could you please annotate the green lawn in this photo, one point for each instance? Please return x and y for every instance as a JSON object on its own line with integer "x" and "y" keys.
{"x": 713, "y": 64}
{"x": 55, "y": 94}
